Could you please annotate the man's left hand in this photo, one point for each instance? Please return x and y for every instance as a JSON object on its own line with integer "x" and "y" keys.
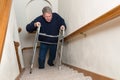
{"x": 62, "y": 27}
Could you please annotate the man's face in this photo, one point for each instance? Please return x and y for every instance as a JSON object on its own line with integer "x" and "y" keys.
{"x": 47, "y": 16}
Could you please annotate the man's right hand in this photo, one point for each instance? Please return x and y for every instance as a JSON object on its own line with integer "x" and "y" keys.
{"x": 37, "y": 24}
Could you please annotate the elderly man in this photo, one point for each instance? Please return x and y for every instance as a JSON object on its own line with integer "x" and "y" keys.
{"x": 50, "y": 25}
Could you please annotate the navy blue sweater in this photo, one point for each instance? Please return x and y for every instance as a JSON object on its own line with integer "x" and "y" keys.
{"x": 49, "y": 28}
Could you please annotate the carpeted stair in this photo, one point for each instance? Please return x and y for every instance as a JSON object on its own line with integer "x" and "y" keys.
{"x": 48, "y": 73}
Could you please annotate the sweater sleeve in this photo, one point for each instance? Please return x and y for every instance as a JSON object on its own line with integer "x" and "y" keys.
{"x": 30, "y": 27}
{"x": 60, "y": 20}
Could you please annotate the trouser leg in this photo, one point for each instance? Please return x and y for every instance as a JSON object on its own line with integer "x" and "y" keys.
{"x": 52, "y": 54}
{"x": 42, "y": 54}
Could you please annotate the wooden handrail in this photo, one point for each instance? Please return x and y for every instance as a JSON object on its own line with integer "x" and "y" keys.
{"x": 5, "y": 6}
{"x": 19, "y": 29}
{"x": 17, "y": 44}
{"x": 115, "y": 12}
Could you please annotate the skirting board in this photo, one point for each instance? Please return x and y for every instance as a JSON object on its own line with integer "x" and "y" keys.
{"x": 26, "y": 48}
{"x": 94, "y": 76}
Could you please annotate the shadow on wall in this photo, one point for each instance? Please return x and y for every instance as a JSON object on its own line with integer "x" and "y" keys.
{"x": 105, "y": 27}
{"x": 34, "y": 8}
{"x": 115, "y": 23}
{"x": 44, "y": 0}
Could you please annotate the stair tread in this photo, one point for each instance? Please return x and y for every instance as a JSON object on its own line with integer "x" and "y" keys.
{"x": 52, "y": 73}
{"x": 49, "y": 73}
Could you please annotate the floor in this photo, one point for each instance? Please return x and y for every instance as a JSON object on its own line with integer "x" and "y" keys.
{"x": 49, "y": 72}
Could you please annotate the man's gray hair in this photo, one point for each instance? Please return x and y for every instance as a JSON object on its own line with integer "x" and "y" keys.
{"x": 46, "y": 9}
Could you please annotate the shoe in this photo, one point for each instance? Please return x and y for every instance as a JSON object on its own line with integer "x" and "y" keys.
{"x": 40, "y": 67}
{"x": 51, "y": 64}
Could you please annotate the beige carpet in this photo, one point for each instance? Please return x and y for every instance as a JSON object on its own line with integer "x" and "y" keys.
{"x": 49, "y": 73}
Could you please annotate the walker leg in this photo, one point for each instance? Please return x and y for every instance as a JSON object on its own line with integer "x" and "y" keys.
{"x": 34, "y": 52}
{"x": 34, "y": 48}
{"x": 61, "y": 51}
{"x": 31, "y": 68}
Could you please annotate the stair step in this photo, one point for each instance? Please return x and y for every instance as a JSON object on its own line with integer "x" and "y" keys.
{"x": 49, "y": 73}
{"x": 53, "y": 73}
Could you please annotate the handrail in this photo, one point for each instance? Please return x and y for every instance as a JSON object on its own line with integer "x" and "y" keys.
{"x": 17, "y": 44}
{"x": 5, "y": 6}
{"x": 115, "y": 12}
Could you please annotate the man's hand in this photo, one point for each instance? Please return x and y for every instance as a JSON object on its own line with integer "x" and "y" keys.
{"x": 62, "y": 27}
{"x": 37, "y": 24}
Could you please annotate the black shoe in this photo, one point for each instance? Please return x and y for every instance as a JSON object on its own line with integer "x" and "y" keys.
{"x": 40, "y": 67}
{"x": 51, "y": 64}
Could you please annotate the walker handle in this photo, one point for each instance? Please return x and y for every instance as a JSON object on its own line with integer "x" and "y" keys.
{"x": 38, "y": 28}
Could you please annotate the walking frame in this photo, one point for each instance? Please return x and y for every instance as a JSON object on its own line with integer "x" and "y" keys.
{"x": 59, "y": 50}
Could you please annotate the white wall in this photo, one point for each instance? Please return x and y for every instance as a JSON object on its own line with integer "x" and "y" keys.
{"x": 79, "y": 12}
{"x": 99, "y": 51}
{"x": 16, "y": 38}
{"x": 26, "y": 13}
{"x": 9, "y": 66}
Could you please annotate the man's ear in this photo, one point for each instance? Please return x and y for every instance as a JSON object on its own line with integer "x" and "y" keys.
{"x": 43, "y": 15}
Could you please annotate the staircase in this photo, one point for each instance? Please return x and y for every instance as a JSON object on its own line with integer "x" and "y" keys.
{"x": 49, "y": 73}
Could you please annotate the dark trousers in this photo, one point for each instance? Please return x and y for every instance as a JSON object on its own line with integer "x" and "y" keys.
{"x": 43, "y": 51}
